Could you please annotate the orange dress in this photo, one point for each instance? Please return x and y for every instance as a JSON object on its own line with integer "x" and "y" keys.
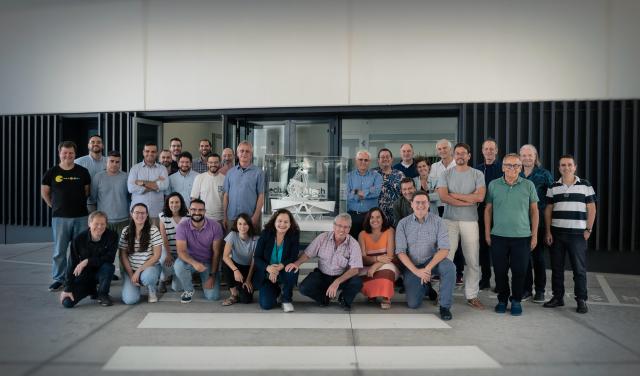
{"x": 382, "y": 282}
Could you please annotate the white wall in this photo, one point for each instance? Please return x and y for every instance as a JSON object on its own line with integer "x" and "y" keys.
{"x": 84, "y": 56}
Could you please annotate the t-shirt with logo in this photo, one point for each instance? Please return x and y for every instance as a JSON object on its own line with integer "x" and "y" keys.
{"x": 68, "y": 197}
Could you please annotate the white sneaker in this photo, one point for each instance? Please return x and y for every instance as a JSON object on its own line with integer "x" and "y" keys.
{"x": 153, "y": 298}
{"x": 287, "y": 307}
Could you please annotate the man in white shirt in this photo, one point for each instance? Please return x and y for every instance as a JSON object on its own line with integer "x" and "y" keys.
{"x": 209, "y": 187}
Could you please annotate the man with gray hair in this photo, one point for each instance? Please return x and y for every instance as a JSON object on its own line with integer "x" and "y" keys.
{"x": 363, "y": 190}
{"x": 339, "y": 261}
{"x": 543, "y": 180}
{"x": 243, "y": 188}
{"x": 443, "y": 148}
{"x": 228, "y": 161}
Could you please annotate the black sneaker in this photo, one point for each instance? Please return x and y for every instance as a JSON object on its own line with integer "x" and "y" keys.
{"x": 345, "y": 306}
{"x": 582, "y": 306}
{"x": 484, "y": 285}
{"x": 445, "y": 314}
{"x": 115, "y": 278}
{"x": 55, "y": 286}
{"x": 553, "y": 303}
{"x": 433, "y": 295}
{"x": 105, "y": 300}
{"x": 459, "y": 280}
{"x": 526, "y": 296}
{"x": 538, "y": 297}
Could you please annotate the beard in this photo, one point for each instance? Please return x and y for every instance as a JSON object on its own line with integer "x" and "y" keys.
{"x": 197, "y": 218}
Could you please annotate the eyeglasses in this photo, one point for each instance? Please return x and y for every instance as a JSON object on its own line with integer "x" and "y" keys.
{"x": 512, "y": 166}
{"x": 362, "y": 160}
{"x": 342, "y": 226}
{"x": 139, "y": 213}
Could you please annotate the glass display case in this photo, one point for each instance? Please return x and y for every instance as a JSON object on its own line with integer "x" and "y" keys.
{"x": 309, "y": 186}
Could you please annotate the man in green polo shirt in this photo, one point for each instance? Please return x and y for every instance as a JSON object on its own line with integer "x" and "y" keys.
{"x": 512, "y": 209}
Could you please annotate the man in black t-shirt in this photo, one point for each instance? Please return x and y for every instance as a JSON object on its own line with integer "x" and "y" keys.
{"x": 65, "y": 188}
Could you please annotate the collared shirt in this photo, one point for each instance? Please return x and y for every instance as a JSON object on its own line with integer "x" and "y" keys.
{"x": 401, "y": 208}
{"x": 570, "y": 205}
{"x": 199, "y": 241}
{"x": 94, "y": 166}
{"x": 511, "y": 206}
{"x": 543, "y": 180}
{"x": 243, "y": 185}
{"x": 434, "y": 175}
{"x": 420, "y": 241}
{"x": 335, "y": 260}
{"x": 409, "y": 171}
{"x": 390, "y": 191}
{"x": 153, "y": 200}
{"x": 210, "y": 189}
{"x": 182, "y": 184}
{"x": 370, "y": 183}
{"x": 199, "y": 165}
{"x": 111, "y": 195}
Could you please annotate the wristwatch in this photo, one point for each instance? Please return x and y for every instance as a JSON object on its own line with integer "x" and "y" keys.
{"x": 588, "y": 230}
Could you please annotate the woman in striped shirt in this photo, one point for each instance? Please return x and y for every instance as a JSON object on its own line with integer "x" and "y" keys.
{"x": 140, "y": 245}
{"x": 172, "y": 213}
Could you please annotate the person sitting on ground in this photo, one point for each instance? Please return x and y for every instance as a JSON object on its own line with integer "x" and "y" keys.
{"x": 140, "y": 249}
{"x": 276, "y": 247}
{"x": 174, "y": 210}
{"x": 238, "y": 266}
{"x": 339, "y": 262}
{"x": 91, "y": 262}
{"x": 377, "y": 242}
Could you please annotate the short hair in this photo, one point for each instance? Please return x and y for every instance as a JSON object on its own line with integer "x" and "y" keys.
{"x": 95, "y": 135}
{"x": 384, "y": 149}
{"x": 271, "y": 225}
{"x": 183, "y": 207}
{"x": 67, "y": 145}
{"x": 197, "y": 201}
{"x": 567, "y": 156}
{"x": 420, "y": 193}
{"x": 252, "y": 229}
{"x": 205, "y": 139}
{"x": 214, "y": 155}
{"x": 538, "y": 163}
{"x": 175, "y": 139}
{"x": 443, "y": 141}
{"x": 364, "y": 152}
{"x": 187, "y": 155}
{"x": 245, "y": 142}
{"x": 165, "y": 151}
{"x": 114, "y": 153}
{"x": 407, "y": 180}
{"x": 489, "y": 140}
{"x": 151, "y": 143}
{"x": 345, "y": 216}
{"x": 463, "y": 145}
{"x": 422, "y": 159}
{"x": 366, "y": 226}
{"x": 97, "y": 213}
{"x": 510, "y": 155}
{"x": 406, "y": 143}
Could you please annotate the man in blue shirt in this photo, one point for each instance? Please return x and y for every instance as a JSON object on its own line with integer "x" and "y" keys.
{"x": 363, "y": 189}
{"x": 94, "y": 162}
{"x": 182, "y": 181}
{"x": 243, "y": 188}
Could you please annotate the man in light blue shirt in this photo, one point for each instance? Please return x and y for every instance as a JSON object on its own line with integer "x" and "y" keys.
{"x": 363, "y": 190}
{"x": 147, "y": 180}
{"x": 94, "y": 162}
{"x": 243, "y": 188}
{"x": 182, "y": 181}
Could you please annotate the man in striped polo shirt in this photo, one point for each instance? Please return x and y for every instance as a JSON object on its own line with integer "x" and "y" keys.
{"x": 569, "y": 217}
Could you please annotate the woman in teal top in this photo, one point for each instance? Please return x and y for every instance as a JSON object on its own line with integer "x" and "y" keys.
{"x": 277, "y": 247}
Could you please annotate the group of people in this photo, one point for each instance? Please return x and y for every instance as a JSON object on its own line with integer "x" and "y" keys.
{"x": 403, "y": 227}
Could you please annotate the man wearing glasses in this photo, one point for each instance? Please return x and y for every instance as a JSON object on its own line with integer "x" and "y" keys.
{"x": 512, "y": 209}
{"x": 363, "y": 190}
{"x": 199, "y": 245}
{"x": 422, "y": 245}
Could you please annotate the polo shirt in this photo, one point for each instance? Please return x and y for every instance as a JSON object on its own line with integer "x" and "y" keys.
{"x": 243, "y": 185}
{"x": 570, "y": 205}
{"x": 511, "y": 205}
{"x": 199, "y": 241}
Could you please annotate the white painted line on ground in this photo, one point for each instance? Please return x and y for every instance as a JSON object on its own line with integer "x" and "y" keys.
{"x": 210, "y": 358}
{"x": 606, "y": 289}
{"x": 27, "y": 262}
{"x": 290, "y": 321}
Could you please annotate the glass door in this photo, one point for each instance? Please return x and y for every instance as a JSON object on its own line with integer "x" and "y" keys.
{"x": 144, "y": 130}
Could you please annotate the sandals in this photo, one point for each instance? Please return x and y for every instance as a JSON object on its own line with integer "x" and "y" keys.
{"x": 385, "y": 304}
{"x": 233, "y": 299}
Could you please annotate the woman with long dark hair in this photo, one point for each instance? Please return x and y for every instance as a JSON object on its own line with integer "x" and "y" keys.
{"x": 174, "y": 210}
{"x": 140, "y": 248}
{"x": 277, "y": 247}
{"x": 238, "y": 265}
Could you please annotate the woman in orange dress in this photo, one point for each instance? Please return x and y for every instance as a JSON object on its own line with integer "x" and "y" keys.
{"x": 377, "y": 241}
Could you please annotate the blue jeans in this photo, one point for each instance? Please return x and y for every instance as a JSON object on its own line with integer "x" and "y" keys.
{"x": 64, "y": 231}
{"x": 85, "y": 284}
{"x": 269, "y": 292}
{"x": 183, "y": 272}
{"x": 167, "y": 271}
{"x": 415, "y": 290}
{"x": 149, "y": 278}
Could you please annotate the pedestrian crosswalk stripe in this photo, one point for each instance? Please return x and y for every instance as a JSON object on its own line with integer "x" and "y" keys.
{"x": 281, "y": 320}
{"x": 215, "y": 358}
